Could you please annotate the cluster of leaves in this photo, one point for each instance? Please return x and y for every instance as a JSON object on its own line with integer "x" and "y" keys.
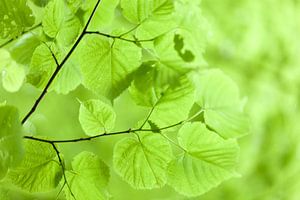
{"x": 151, "y": 48}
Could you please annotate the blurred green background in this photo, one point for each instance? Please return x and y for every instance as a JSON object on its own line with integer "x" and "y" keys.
{"x": 257, "y": 43}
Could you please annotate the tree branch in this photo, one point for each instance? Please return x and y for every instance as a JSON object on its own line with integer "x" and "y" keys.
{"x": 102, "y": 134}
{"x": 114, "y": 133}
{"x": 59, "y": 67}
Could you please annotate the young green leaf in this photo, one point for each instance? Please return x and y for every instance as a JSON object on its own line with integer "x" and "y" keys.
{"x": 219, "y": 98}
{"x": 175, "y": 57}
{"x": 60, "y": 23}
{"x": 174, "y": 104}
{"x": 105, "y": 14}
{"x": 88, "y": 178}
{"x": 207, "y": 161}
{"x": 11, "y": 148}
{"x": 96, "y": 117}
{"x": 142, "y": 89}
{"x": 142, "y": 162}
{"x": 13, "y": 74}
{"x": 22, "y": 50}
{"x": 106, "y": 67}
{"x": 39, "y": 171}
{"x": 151, "y": 17}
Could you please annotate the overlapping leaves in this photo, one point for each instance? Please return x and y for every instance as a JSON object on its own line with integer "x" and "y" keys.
{"x": 106, "y": 67}
{"x": 88, "y": 179}
{"x": 158, "y": 73}
{"x": 39, "y": 171}
{"x": 207, "y": 161}
{"x": 220, "y": 100}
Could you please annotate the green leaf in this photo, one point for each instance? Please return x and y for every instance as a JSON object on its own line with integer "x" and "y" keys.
{"x": 219, "y": 98}
{"x": 88, "y": 179}
{"x": 142, "y": 89}
{"x": 39, "y": 171}
{"x": 193, "y": 27}
{"x": 106, "y": 67}
{"x": 22, "y": 50}
{"x": 96, "y": 117}
{"x": 60, "y": 23}
{"x": 207, "y": 162}
{"x": 15, "y": 16}
{"x": 142, "y": 162}
{"x": 174, "y": 104}
{"x": 175, "y": 56}
{"x": 11, "y": 148}
{"x": 74, "y": 5}
{"x": 43, "y": 65}
{"x": 13, "y": 77}
{"x": 104, "y": 15}
{"x": 40, "y": 3}
{"x": 13, "y": 74}
{"x": 152, "y": 17}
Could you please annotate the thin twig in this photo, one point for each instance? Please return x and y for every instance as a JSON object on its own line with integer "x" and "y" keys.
{"x": 119, "y": 37}
{"x": 59, "y": 67}
{"x": 102, "y": 134}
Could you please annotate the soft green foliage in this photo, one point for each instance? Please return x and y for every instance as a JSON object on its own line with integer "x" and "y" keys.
{"x": 226, "y": 116}
{"x": 11, "y": 150}
{"x": 170, "y": 105}
{"x": 174, "y": 104}
{"x": 104, "y": 18}
{"x": 39, "y": 170}
{"x": 137, "y": 69}
{"x": 142, "y": 161}
{"x": 111, "y": 63}
{"x": 60, "y": 23}
{"x": 88, "y": 178}
{"x": 96, "y": 117}
{"x": 13, "y": 74}
{"x": 15, "y": 17}
{"x": 22, "y": 50}
{"x": 206, "y": 162}
{"x": 150, "y": 17}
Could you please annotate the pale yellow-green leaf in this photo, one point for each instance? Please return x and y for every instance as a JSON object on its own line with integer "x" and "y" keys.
{"x": 142, "y": 162}
{"x": 96, "y": 117}
{"x": 88, "y": 179}
{"x": 39, "y": 171}
{"x": 207, "y": 160}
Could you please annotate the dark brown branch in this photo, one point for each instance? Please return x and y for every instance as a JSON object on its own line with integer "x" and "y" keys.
{"x": 24, "y": 32}
{"x": 102, "y": 134}
{"x": 37, "y": 102}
